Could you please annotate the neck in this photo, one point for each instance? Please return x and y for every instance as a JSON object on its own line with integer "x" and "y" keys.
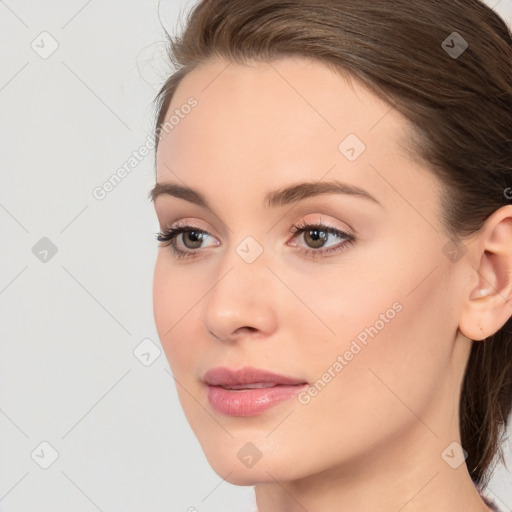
{"x": 397, "y": 477}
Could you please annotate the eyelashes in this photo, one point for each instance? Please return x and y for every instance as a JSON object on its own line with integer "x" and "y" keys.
{"x": 169, "y": 236}
{"x": 318, "y": 232}
{"x": 320, "y": 227}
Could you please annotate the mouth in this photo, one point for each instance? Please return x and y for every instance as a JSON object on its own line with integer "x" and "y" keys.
{"x": 255, "y": 385}
{"x": 249, "y": 391}
{"x": 248, "y": 378}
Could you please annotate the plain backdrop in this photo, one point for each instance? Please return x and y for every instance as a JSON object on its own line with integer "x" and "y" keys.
{"x": 89, "y": 415}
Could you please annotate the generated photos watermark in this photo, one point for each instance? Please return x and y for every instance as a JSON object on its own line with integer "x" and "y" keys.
{"x": 100, "y": 192}
{"x": 356, "y": 346}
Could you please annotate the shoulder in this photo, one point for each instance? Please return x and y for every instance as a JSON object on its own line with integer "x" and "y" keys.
{"x": 490, "y": 503}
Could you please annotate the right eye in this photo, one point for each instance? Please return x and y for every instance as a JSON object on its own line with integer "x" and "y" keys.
{"x": 191, "y": 239}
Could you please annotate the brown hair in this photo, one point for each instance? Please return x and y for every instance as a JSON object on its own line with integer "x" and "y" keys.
{"x": 460, "y": 109}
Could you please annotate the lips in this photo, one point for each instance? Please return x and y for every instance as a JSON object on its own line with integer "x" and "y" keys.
{"x": 247, "y": 378}
{"x": 249, "y": 391}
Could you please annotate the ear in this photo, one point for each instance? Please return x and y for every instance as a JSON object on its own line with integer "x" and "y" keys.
{"x": 488, "y": 305}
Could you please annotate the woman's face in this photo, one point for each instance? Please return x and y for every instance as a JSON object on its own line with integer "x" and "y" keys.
{"x": 367, "y": 320}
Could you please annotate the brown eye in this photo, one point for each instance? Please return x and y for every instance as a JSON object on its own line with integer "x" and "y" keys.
{"x": 189, "y": 238}
{"x": 194, "y": 238}
{"x": 315, "y": 238}
{"x": 317, "y": 235}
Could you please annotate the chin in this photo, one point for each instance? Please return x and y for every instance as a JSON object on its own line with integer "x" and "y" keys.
{"x": 245, "y": 478}
{"x": 235, "y": 474}
{"x": 240, "y": 463}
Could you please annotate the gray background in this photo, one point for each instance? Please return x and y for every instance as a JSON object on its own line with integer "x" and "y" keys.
{"x": 70, "y": 321}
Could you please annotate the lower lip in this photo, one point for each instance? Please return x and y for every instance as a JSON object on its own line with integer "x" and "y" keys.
{"x": 249, "y": 402}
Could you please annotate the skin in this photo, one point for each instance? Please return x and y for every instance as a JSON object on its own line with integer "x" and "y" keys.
{"x": 372, "y": 439}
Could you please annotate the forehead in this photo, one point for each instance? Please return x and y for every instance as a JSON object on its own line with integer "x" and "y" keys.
{"x": 279, "y": 122}
{"x": 293, "y": 96}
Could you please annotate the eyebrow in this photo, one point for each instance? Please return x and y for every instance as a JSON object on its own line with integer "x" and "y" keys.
{"x": 281, "y": 197}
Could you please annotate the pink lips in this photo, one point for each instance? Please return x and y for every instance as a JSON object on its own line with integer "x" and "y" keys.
{"x": 248, "y": 391}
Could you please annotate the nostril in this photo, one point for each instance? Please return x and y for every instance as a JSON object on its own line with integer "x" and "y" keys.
{"x": 238, "y": 330}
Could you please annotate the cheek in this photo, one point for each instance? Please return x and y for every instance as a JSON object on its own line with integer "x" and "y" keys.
{"x": 164, "y": 299}
{"x": 384, "y": 332}
{"x": 173, "y": 301}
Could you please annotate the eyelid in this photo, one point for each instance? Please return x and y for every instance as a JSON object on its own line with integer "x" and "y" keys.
{"x": 319, "y": 222}
{"x": 186, "y": 226}
{"x": 171, "y": 233}
{"x": 177, "y": 229}
{"x": 304, "y": 226}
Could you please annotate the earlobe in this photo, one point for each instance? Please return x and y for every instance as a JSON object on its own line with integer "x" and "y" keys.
{"x": 489, "y": 303}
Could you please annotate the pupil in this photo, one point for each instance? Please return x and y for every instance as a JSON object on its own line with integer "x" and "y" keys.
{"x": 317, "y": 239}
{"x": 193, "y": 237}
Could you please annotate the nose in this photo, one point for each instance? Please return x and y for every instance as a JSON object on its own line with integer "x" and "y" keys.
{"x": 240, "y": 304}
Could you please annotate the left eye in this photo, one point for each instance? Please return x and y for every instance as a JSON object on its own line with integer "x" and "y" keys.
{"x": 315, "y": 236}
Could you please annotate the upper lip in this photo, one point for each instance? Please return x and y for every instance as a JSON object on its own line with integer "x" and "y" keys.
{"x": 222, "y": 376}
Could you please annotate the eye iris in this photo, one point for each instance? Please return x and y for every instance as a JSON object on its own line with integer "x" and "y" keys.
{"x": 194, "y": 237}
{"x": 317, "y": 239}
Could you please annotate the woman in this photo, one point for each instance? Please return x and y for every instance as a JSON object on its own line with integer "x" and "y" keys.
{"x": 332, "y": 288}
